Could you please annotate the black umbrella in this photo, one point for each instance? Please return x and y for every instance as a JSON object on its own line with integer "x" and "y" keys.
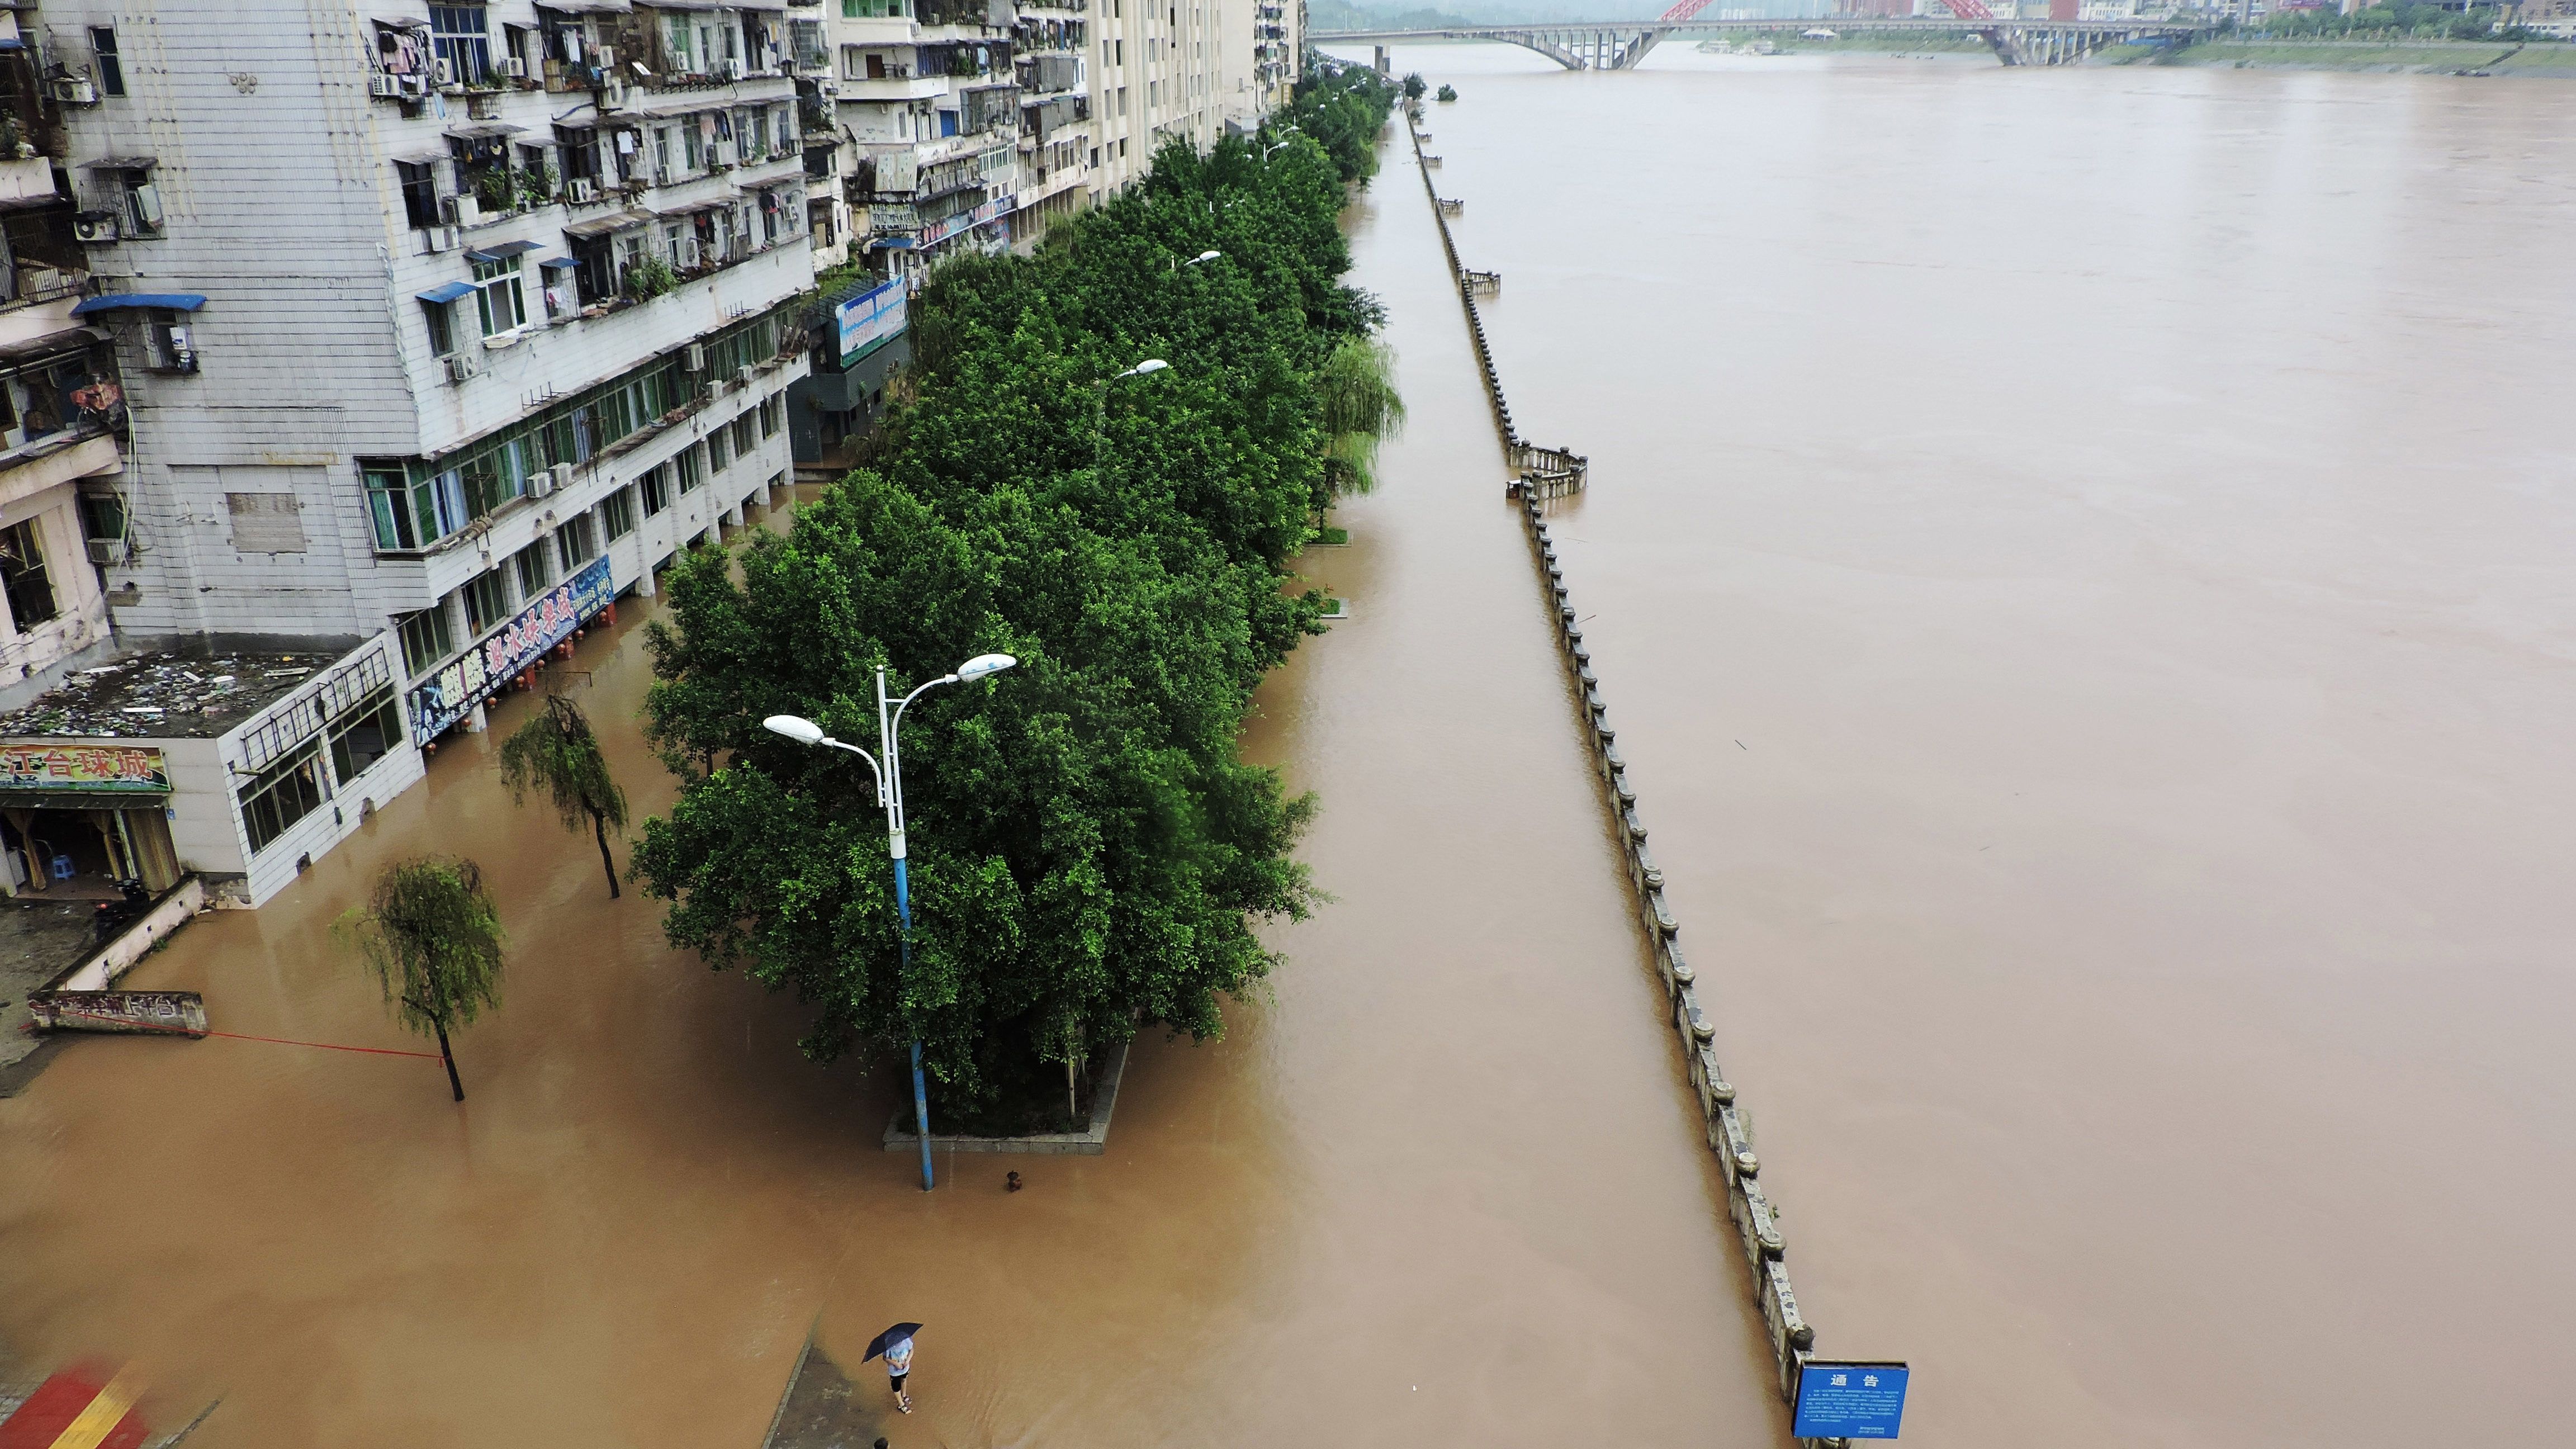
{"x": 891, "y": 1336}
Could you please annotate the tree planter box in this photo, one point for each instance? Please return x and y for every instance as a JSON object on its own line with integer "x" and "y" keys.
{"x": 1091, "y": 1142}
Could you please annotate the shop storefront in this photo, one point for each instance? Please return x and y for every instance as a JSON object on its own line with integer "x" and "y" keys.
{"x": 81, "y": 820}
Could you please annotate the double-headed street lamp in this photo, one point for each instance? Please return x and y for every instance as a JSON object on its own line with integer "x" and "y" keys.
{"x": 889, "y": 778}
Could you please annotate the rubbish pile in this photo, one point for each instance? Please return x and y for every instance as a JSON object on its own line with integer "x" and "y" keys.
{"x": 162, "y": 694}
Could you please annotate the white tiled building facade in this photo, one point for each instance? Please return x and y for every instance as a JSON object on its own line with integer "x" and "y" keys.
{"x": 414, "y": 333}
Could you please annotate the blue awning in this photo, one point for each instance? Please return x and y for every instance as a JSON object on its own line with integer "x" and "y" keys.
{"x": 114, "y": 301}
{"x": 559, "y": 262}
{"x": 447, "y": 292}
{"x": 498, "y": 250}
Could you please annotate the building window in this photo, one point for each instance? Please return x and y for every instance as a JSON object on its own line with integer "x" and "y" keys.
{"x": 282, "y": 794}
{"x": 172, "y": 346}
{"x": 406, "y": 515}
{"x": 142, "y": 201}
{"x": 425, "y": 641}
{"x": 498, "y": 297}
{"x": 617, "y": 514}
{"x": 577, "y": 542}
{"x": 463, "y": 38}
{"x": 111, "y": 69}
{"x": 717, "y": 456}
{"x": 594, "y": 271}
{"x": 693, "y": 467}
{"x": 442, "y": 327}
{"x": 744, "y": 428}
{"x": 693, "y": 139}
{"x": 419, "y": 191}
{"x": 365, "y": 734}
{"x": 23, "y": 576}
{"x": 536, "y": 569}
{"x": 770, "y": 409}
{"x": 487, "y": 603}
{"x": 657, "y": 491}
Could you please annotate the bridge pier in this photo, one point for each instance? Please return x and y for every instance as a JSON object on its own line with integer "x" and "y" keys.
{"x": 1385, "y": 62}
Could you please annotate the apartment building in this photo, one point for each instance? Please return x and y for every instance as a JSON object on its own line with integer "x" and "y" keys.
{"x": 443, "y": 325}
{"x": 62, "y": 409}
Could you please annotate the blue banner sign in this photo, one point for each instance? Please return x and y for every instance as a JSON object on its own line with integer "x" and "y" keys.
{"x": 870, "y": 320}
{"x": 498, "y": 657}
{"x": 1849, "y": 1400}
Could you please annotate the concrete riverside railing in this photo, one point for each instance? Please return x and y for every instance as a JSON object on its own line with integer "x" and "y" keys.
{"x": 1541, "y": 472}
{"x": 1756, "y": 1225}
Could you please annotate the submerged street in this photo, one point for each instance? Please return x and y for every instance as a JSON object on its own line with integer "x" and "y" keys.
{"x": 1440, "y": 1183}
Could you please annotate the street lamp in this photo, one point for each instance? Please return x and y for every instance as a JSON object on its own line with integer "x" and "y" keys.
{"x": 1100, "y": 404}
{"x": 889, "y": 780}
{"x": 1145, "y": 368}
{"x": 1204, "y": 257}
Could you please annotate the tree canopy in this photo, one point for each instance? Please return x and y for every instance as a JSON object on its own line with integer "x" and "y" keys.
{"x": 555, "y": 751}
{"x": 1085, "y": 848}
{"x": 432, "y": 937}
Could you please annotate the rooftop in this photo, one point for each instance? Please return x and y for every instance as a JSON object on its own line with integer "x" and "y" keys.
{"x": 165, "y": 694}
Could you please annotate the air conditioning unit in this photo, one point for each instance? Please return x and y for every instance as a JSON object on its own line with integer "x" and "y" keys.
{"x": 441, "y": 238}
{"x": 94, "y": 226}
{"x": 742, "y": 378}
{"x": 696, "y": 360}
{"x": 612, "y": 92}
{"x": 147, "y": 207}
{"x": 515, "y": 67}
{"x": 460, "y": 210}
{"x": 76, "y": 90}
{"x": 563, "y": 476}
{"x": 446, "y": 71}
{"x": 107, "y": 552}
{"x": 384, "y": 87}
{"x": 463, "y": 365}
{"x": 582, "y": 190}
{"x": 607, "y": 57}
{"x": 541, "y": 483}
{"x": 729, "y": 69}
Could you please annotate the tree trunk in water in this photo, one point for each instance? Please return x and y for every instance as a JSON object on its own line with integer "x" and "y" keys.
{"x": 1072, "y": 1106}
{"x": 599, "y": 823}
{"x": 449, "y": 1058}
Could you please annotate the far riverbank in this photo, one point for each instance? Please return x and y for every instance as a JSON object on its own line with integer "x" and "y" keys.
{"x": 2548, "y": 60}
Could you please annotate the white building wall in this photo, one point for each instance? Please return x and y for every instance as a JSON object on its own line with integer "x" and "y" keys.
{"x": 282, "y": 206}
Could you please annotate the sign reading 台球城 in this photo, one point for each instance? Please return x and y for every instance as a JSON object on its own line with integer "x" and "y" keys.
{"x": 870, "y": 320}
{"x": 498, "y": 657}
{"x": 87, "y": 768}
{"x": 1849, "y": 1400}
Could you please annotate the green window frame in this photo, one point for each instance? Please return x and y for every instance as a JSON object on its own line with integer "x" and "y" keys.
{"x": 365, "y": 733}
{"x": 291, "y": 788}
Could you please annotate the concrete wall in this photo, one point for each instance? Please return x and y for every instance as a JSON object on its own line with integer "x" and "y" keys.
{"x": 175, "y": 909}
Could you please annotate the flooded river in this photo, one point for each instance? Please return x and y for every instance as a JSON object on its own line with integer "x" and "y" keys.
{"x": 2081, "y": 574}
{"x": 2082, "y": 563}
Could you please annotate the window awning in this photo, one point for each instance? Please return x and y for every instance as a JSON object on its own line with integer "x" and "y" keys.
{"x": 603, "y": 225}
{"x": 558, "y": 262}
{"x": 585, "y": 7}
{"x": 52, "y": 344}
{"x": 499, "y": 250}
{"x": 484, "y": 130}
{"x": 447, "y": 292}
{"x": 426, "y": 155}
{"x": 85, "y": 799}
{"x": 114, "y": 301}
{"x": 121, "y": 163}
{"x": 674, "y": 213}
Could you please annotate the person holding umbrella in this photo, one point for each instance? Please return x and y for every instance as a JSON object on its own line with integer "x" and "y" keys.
{"x": 896, "y": 1344}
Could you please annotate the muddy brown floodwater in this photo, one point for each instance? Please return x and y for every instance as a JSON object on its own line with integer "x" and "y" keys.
{"x": 1439, "y": 1185}
{"x": 2082, "y": 564}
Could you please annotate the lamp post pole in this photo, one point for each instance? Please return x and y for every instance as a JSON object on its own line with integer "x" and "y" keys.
{"x": 890, "y": 793}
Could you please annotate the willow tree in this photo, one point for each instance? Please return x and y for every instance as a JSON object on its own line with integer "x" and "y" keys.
{"x": 1357, "y": 405}
{"x": 557, "y": 751}
{"x": 433, "y": 938}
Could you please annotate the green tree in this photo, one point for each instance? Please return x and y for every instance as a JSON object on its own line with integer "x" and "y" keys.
{"x": 433, "y": 938}
{"x": 1359, "y": 406}
{"x": 1088, "y": 854}
{"x": 1414, "y": 86}
{"x": 556, "y": 751}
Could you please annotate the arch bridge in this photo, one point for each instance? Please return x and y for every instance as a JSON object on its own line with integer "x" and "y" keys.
{"x": 1620, "y": 44}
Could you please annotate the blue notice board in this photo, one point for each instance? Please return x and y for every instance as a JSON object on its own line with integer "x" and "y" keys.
{"x": 1849, "y": 1400}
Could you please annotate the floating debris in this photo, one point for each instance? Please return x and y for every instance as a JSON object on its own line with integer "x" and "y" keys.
{"x": 163, "y": 694}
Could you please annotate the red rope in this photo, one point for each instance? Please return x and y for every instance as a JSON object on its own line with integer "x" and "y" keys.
{"x": 328, "y": 1046}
